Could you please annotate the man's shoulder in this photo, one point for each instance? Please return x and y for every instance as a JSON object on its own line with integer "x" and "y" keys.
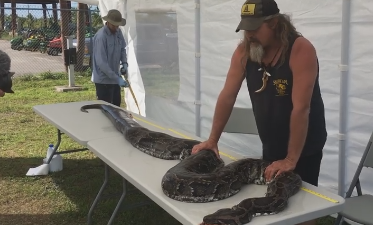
{"x": 119, "y": 31}
{"x": 102, "y": 30}
{"x": 120, "y": 34}
{"x": 100, "y": 33}
{"x": 239, "y": 52}
{"x": 303, "y": 45}
{"x": 303, "y": 55}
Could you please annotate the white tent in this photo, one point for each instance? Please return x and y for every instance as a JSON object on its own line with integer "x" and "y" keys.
{"x": 206, "y": 40}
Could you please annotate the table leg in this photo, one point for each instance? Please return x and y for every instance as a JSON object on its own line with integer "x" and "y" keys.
{"x": 119, "y": 202}
{"x": 99, "y": 194}
{"x": 59, "y": 134}
{"x": 339, "y": 220}
{"x": 121, "y": 199}
{"x": 130, "y": 206}
{"x": 55, "y": 146}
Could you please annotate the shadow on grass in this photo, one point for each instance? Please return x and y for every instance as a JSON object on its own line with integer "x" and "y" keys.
{"x": 69, "y": 195}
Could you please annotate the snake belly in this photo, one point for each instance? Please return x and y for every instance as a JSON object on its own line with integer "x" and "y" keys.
{"x": 203, "y": 177}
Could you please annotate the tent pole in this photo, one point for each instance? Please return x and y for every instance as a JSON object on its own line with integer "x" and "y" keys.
{"x": 343, "y": 111}
{"x": 197, "y": 102}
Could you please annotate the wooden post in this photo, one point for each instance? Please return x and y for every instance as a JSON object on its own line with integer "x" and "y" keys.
{"x": 2, "y": 15}
{"x": 86, "y": 16}
{"x": 14, "y": 18}
{"x": 55, "y": 16}
{"x": 45, "y": 14}
{"x": 68, "y": 3}
{"x": 81, "y": 35}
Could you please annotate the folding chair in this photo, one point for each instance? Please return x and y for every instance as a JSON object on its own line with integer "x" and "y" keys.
{"x": 359, "y": 208}
{"x": 241, "y": 121}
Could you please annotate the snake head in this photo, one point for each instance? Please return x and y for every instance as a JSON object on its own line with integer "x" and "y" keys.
{"x": 227, "y": 216}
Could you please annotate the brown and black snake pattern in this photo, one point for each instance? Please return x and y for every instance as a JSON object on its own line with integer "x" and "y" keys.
{"x": 203, "y": 177}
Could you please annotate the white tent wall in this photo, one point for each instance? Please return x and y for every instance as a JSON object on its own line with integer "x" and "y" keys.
{"x": 320, "y": 21}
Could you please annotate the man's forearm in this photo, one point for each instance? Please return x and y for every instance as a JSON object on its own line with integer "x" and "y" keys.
{"x": 123, "y": 53}
{"x": 123, "y": 56}
{"x": 298, "y": 134}
{"x": 223, "y": 110}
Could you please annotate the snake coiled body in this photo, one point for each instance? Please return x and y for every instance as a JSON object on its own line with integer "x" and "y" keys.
{"x": 203, "y": 177}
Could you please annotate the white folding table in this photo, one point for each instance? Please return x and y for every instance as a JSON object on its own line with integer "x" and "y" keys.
{"x": 145, "y": 173}
{"x": 94, "y": 131}
{"x": 81, "y": 127}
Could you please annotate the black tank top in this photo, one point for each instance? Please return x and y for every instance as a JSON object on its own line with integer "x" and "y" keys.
{"x": 272, "y": 109}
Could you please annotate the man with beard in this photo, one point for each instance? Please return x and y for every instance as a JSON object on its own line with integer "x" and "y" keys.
{"x": 108, "y": 52}
{"x": 282, "y": 74}
{"x": 5, "y": 74}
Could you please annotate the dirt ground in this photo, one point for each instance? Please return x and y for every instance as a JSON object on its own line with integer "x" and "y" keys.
{"x": 26, "y": 62}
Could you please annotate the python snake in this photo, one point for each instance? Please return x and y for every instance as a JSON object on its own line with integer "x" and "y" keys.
{"x": 203, "y": 177}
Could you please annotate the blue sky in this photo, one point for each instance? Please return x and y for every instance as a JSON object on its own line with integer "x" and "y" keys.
{"x": 74, "y": 4}
{"x": 34, "y": 9}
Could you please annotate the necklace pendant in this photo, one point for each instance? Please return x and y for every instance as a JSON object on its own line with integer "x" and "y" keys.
{"x": 260, "y": 69}
{"x": 268, "y": 74}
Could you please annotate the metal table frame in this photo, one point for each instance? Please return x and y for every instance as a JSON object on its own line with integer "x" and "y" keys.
{"x": 103, "y": 186}
{"x": 121, "y": 199}
{"x": 57, "y": 145}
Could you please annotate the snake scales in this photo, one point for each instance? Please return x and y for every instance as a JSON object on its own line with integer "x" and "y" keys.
{"x": 203, "y": 177}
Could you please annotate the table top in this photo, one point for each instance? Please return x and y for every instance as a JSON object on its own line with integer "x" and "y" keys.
{"x": 80, "y": 126}
{"x": 145, "y": 173}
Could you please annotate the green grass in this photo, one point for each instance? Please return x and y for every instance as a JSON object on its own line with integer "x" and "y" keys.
{"x": 5, "y": 36}
{"x": 62, "y": 198}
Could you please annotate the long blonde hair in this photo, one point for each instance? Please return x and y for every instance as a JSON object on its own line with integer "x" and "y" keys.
{"x": 283, "y": 30}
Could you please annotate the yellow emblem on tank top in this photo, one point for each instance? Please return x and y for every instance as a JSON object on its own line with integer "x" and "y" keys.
{"x": 281, "y": 86}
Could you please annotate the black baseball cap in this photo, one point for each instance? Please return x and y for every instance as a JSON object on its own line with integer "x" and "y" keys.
{"x": 255, "y": 12}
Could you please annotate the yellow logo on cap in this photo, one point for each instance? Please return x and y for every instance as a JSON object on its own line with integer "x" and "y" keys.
{"x": 248, "y": 9}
